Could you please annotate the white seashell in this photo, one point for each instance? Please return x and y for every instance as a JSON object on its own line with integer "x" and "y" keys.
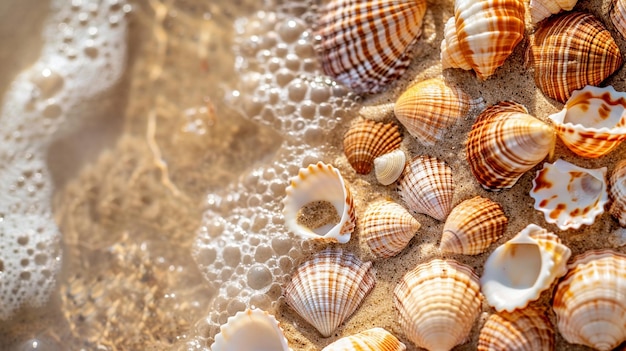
{"x": 542, "y": 9}
{"x": 320, "y": 182}
{"x": 618, "y": 16}
{"x": 519, "y": 270}
{"x": 387, "y": 227}
{"x": 375, "y": 339}
{"x": 569, "y": 196}
{"x": 389, "y": 167}
{"x": 618, "y": 193}
{"x": 527, "y": 329}
{"x": 250, "y": 330}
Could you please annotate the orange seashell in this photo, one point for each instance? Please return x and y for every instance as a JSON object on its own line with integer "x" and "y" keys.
{"x": 375, "y": 339}
{"x": 366, "y": 140}
{"x": 542, "y": 9}
{"x": 527, "y": 329}
{"x": 387, "y": 227}
{"x": 618, "y": 193}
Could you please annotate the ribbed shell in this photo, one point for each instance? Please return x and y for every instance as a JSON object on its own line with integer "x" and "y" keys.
{"x": 504, "y": 143}
{"x": 527, "y": 329}
{"x": 618, "y": 16}
{"x": 250, "y": 330}
{"x": 618, "y": 193}
{"x": 427, "y": 187}
{"x": 482, "y": 34}
{"x": 366, "y": 44}
{"x": 472, "y": 226}
{"x": 375, "y": 339}
{"x": 389, "y": 167}
{"x": 438, "y": 302}
{"x": 328, "y": 288}
{"x": 570, "y": 51}
{"x": 590, "y": 303}
{"x": 387, "y": 228}
{"x": 366, "y": 140}
{"x": 542, "y": 9}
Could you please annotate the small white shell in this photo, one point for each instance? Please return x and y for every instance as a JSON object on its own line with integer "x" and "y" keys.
{"x": 618, "y": 193}
{"x": 250, "y": 330}
{"x": 375, "y": 339}
{"x": 542, "y": 9}
{"x": 389, "y": 167}
{"x": 387, "y": 227}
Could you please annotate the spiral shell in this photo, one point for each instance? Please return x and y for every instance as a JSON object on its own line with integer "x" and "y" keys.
{"x": 375, "y": 339}
{"x": 387, "y": 228}
{"x": 248, "y": 330}
{"x": 366, "y": 140}
{"x": 618, "y": 16}
{"x": 618, "y": 193}
{"x": 527, "y": 329}
{"x": 389, "y": 167}
{"x": 542, "y": 9}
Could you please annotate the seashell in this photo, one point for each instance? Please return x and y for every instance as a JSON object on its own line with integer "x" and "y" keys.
{"x": 617, "y": 193}
{"x": 389, "y": 167}
{"x": 527, "y": 329}
{"x": 387, "y": 228}
{"x": 542, "y": 9}
{"x": 482, "y": 34}
{"x": 438, "y": 302}
{"x": 593, "y": 122}
{"x": 472, "y": 226}
{"x": 504, "y": 143}
{"x": 320, "y": 182}
{"x": 328, "y": 288}
{"x": 367, "y": 44}
{"x": 250, "y": 330}
{"x": 618, "y": 16}
{"x": 589, "y": 301}
{"x": 519, "y": 270}
{"x": 366, "y": 140}
{"x": 375, "y": 339}
{"x": 570, "y": 51}
{"x": 568, "y": 195}
{"x": 427, "y": 187}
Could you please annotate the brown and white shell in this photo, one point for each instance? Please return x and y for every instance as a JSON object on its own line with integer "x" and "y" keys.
{"x": 527, "y": 329}
{"x": 389, "y": 167}
{"x": 250, "y": 330}
{"x": 618, "y": 16}
{"x": 617, "y": 192}
{"x": 375, "y": 339}
{"x": 366, "y": 44}
{"x": 589, "y": 301}
{"x": 504, "y": 143}
{"x": 472, "y": 226}
{"x": 438, "y": 302}
{"x": 328, "y": 288}
{"x": 542, "y": 9}
{"x": 366, "y": 140}
{"x": 387, "y": 227}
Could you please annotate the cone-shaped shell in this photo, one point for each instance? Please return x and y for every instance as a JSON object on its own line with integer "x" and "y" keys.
{"x": 320, "y": 182}
{"x": 618, "y": 16}
{"x": 375, "y": 339}
{"x": 504, "y": 143}
{"x": 527, "y": 329}
{"x": 570, "y": 51}
{"x": 366, "y": 44}
{"x": 519, "y": 270}
{"x": 387, "y": 227}
{"x": 438, "y": 302}
{"x": 366, "y": 140}
{"x": 427, "y": 187}
{"x": 482, "y": 34}
{"x": 472, "y": 226}
{"x": 250, "y": 330}
{"x": 590, "y": 303}
{"x": 618, "y": 193}
{"x": 542, "y": 9}
{"x": 389, "y": 167}
{"x": 328, "y": 288}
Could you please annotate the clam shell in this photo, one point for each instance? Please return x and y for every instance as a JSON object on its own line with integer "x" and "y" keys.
{"x": 375, "y": 339}
{"x": 366, "y": 44}
{"x": 427, "y": 187}
{"x": 571, "y": 51}
{"x": 589, "y": 301}
{"x": 482, "y": 34}
{"x": 519, "y": 270}
{"x": 389, "y": 167}
{"x": 328, "y": 288}
{"x": 366, "y": 140}
{"x": 438, "y": 302}
{"x": 472, "y": 226}
{"x": 618, "y": 16}
{"x": 320, "y": 182}
{"x": 568, "y": 195}
{"x": 387, "y": 227}
{"x": 618, "y": 193}
{"x": 250, "y": 330}
{"x": 527, "y": 329}
{"x": 542, "y": 9}
{"x": 504, "y": 143}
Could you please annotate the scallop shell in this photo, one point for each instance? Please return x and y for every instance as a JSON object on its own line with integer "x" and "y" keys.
{"x": 519, "y": 270}
{"x": 527, "y": 329}
{"x": 542, "y": 9}
{"x": 328, "y": 288}
{"x": 389, "y": 167}
{"x": 618, "y": 193}
{"x": 589, "y": 301}
{"x": 427, "y": 187}
{"x": 250, "y": 330}
{"x": 482, "y": 34}
{"x": 438, "y": 302}
{"x": 571, "y": 51}
{"x": 568, "y": 195}
{"x": 387, "y": 227}
{"x": 320, "y": 182}
{"x": 618, "y": 16}
{"x": 367, "y": 44}
{"x": 366, "y": 140}
{"x": 375, "y": 339}
{"x": 593, "y": 121}
{"x": 504, "y": 143}
{"x": 472, "y": 226}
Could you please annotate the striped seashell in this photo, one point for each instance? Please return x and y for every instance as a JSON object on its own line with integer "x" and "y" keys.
{"x": 527, "y": 329}
{"x": 482, "y": 34}
{"x": 570, "y": 51}
{"x": 618, "y": 16}
{"x": 366, "y": 140}
{"x": 328, "y": 288}
{"x": 427, "y": 187}
{"x": 504, "y": 143}
{"x": 593, "y": 121}
{"x": 589, "y": 301}
{"x": 387, "y": 228}
{"x": 428, "y": 108}
{"x": 472, "y": 226}
{"x": 518, "y": 271}
{"x": 250, "y": 330}
{"x": 389, "y": 167}
{"x": 617, "y": 192}
{"x": 375, "y": 339}
{"x": 367, "y": 44}
{"x": 319, "y": 182}
{"x": 542, "y": 9}
{"x": 570, "y": 196}
{"x": 438, "y": 302}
